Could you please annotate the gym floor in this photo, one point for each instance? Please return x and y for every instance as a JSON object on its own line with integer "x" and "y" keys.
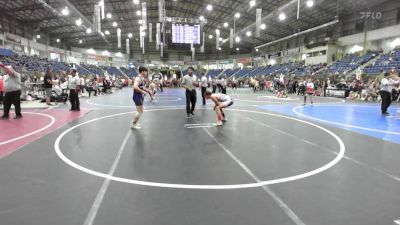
{"x": 274, "y": 162}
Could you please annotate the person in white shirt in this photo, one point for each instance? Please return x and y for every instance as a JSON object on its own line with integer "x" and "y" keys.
{"x": 223, "y": 85}
{"x": 12, "y": 92}
{"x": 189, "y": 83}
{"x": 387, "y": 84}
{"x": 221, "y": 101}
{"x": 204, "y": 85}
{"x": 310, "y": 91}
{"x": 74, "y": 84}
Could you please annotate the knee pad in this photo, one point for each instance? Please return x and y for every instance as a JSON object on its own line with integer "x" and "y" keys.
{"x": 138, "y": 115}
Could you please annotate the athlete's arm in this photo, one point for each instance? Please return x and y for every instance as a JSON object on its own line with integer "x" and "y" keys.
{"x": 136, "y": 86}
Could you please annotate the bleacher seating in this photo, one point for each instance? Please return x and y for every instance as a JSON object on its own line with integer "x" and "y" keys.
{"x": 214, "y": 73}
{"x": 130, "y": 72}
{"x": 384, "y": 63}
{"x": 230, "y": 72}
{"x": 351, "y": 62}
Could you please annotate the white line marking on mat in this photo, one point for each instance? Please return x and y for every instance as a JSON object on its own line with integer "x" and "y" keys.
{"x": 325, "y": 149}
{"x": 267, "y": 189}
{"x": 341, "y": 124}
{"x": 53, "y": 120}
{"x": 397, "y": 221}
{"x": 99, "y": 198}
{"x": 325, "y": 167}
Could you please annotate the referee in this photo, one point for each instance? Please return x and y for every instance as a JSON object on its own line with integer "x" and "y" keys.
{"x": 387, "y": 84}
{"x": 189, "y": 82}
{"x": 73, "y": 86}
{"x": 12, "y": 93}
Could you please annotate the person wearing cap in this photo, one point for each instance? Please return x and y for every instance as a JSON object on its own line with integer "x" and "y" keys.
{"x": 387, "y": 84}
{"x": 189, "y": 82}
{"x": 12, "y": 92}
{"x": 73, "y": 85}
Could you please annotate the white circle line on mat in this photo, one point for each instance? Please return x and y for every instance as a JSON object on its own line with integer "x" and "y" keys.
{"x": 341, "y": 124}
{"x": 53, "y": 120}
{"x": 338, "y": 157}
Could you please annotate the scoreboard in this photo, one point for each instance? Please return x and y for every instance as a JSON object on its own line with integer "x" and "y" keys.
{"x": 185, "y": 34}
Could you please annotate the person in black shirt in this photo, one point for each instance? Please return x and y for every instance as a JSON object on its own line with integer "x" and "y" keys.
{"x": 48, "y": 85}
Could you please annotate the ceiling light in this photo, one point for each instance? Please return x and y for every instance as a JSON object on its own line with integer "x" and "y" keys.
{"x": 217, "y": 31}
{"x": 237, "y": 39}
{"x": 226, "y": 24}
{"x": 107, "y": 32}
{"x": 38, "y": 36}
{"x": 78, "y": 22}
{"x": 115, "y": 24}
{"x": 263, "y": 26}
{"x": 58, "y": 40}
{"x": 201, "y": 18}
{"x": 89, "y": 30}
{"x": 135, "y": 2}
{"x": 130, "y": 35}
{"x": 220, "y": 48}
{"x": 237, "y": 49}
{"x": 237, "y": 15}
{"x": 102, "y": 34}
{"x": 140, "y": 21}
{"x": 209, "y": 7}
{"x": 310, "y": 3}
{"x": 80, "y": 41}
{"x": 210, "y": 36}
{"x": 139, "y": 13}
{"x": 282, "y": 16}
{"x": 118, "y": 54}
{"x": 91, "y": 51}
{"x": 106, "y": 53}
{"x": 252, "y": 3}
{"x": 256, "y": 49}
{"x": 109, "y": 15}
{"x": 248, "y": 33}
{"x": 221, "y": 39}
{"x": 65, "y": 11}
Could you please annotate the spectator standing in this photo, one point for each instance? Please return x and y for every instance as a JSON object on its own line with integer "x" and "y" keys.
{"x": 1, "y": 89}
{"x": 214, "y": 85}
{"x": 73, "y": 86}
{"x": 204, "y": 84}
{"x": 48, "y": 85}
{"x": 12, "y": 93}
{"x": 223, "y": 85}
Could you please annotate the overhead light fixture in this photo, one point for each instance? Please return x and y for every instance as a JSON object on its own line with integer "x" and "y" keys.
{"x": 282, "y": 16}
{"x": 248, "y": 33}
{"x": 107, "y": 32}
{"x": 65, "y": 11}
{"x": 310, "y": 3}
{"x": 38, "y": 36}
{"x": 140, "y": 21}
{"x": 221, "y": 39}
{"x": 109, "y": 15}
{"x": 210, "y": 36}
{"x": 102, "y": 34}
{"x": 91, "y": 51}
{"x": 256, "y": 49}
{"x": 237, "y": 15}
{"x": 139, "y": 13}
{"x": 80, "y": 41}
{"x": 78, "y": 22}
{"x": 217, "y": 31}
{"x": 263, "y": 26}
{"x": 252, "y": 3}
{"x": 106, "y": 53}
{"x": 224, "y": 40}
{"x": 135, "y": 2}
{"x": 219, "y": 48}
{"x": 130, "y": 35}
{"x": 201, "y": 18}
{"x": 237, "y": 39}
{"x": 237, "y": 49}
{"x": 118, "y": 54}
{"x": 226, "y": 24}
{"x": 58, "y": 40}
{"x": 209, "y": 7}
{"x": 115, "y": 24}
{"x": 89, "y": 30}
